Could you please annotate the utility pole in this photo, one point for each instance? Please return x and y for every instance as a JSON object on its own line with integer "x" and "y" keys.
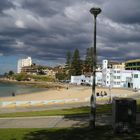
{"x": 95, "y": 12}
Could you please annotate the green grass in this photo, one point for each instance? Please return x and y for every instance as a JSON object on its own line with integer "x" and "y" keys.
{"x": 84, "y": 133}
{"x": 66, "y": 112}
{"x": 138, "y": 105}
{"x": 56, "y": 112}
{"x": 72, "y": 111}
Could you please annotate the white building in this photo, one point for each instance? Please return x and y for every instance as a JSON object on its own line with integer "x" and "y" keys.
{"x": 23, "y": 62}
{"x": 78, "y": 79}
{"x": 98, "y": 78}
{"x": 119, "y": 77}
{"x": 116, "y": 76}
{"x": 106, "y": 74}
{"x": 111, "y": 77}
{"x": 82, "y": 79}
{"x": 135, "y": 80}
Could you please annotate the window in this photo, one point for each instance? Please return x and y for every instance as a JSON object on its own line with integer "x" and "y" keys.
{"x": 118, "y": 83}
{"x": 114, "y": 77}
{"x": 135, "y": 75}
{"x": 118, "y": 77}
{"x": 114, "y": 83}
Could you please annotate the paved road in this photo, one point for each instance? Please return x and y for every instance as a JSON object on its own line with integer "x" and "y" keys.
{"x": 54, "y": 121}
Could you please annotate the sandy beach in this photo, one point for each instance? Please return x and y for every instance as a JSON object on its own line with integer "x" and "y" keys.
{"x": 81, "y": 93}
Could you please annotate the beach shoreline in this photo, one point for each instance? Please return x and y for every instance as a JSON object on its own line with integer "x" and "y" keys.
{"x": 81, "y": 93}
{"x": 52, "y": 85}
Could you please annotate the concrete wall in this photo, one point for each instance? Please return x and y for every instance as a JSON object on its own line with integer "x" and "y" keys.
{"x": 136, "y": 79}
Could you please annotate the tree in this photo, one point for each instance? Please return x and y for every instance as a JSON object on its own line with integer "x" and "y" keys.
{"x": 68, "y": 59}
{"x": 5, "y": 74}
{"x": 76, "y": 68}
{"x": 11, "y": 73}
{"x": 89, "y": 60}
{"x": 68, "y": 65}
{"x": 61, "y": 76}
{"x": 21, "y": 76}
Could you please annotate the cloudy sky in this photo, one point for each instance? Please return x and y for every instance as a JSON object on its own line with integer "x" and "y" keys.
{"x": 47, "y": 29}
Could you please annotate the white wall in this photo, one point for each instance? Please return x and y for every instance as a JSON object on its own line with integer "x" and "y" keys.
{"x": 82, "y": 79}
{"x": 106, "y": 77}
{"x": 105, "y": 64}
{"x": 136, "y": 79}
{"x": 116, "y": 77}
{"x": 126, "y": 76}
{"x": 98, "y": 78}
{"x": 77, "y": 79}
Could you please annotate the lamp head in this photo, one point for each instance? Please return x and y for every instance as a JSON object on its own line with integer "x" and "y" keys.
{"x": 95, "y": 11}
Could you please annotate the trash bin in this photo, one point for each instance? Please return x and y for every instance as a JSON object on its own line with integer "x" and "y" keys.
{"x": 123, "y": 115}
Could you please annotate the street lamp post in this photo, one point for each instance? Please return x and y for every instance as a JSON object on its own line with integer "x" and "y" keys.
{"x": 95, "y": 12}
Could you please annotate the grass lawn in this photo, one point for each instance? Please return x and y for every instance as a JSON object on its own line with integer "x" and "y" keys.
{"x": 85, "y": 133}
{"x": 66, "y": 112}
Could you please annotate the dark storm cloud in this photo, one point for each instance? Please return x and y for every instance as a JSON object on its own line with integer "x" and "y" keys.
{"x": 46, "y": 8}
{"x": 119, "y": 29}
{"x": 47, "y": 29}
{"x": 4, "y": 4}
{"x": 119, "y": 32}
{"x": 62, "y": 35}
{"x": 124, "y": 11}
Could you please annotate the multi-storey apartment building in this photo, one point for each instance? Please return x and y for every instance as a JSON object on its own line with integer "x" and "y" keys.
{"x": 23, "y": 63}
{"x": 112, "y": 77}
{"x": 132, "y": 64}
{"x": 119, "y": 77}
{"x": 119, "y": 66}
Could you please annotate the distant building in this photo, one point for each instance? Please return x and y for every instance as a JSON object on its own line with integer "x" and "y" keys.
{"x": 114, "y": 64}
{"x": 30, "y": 69}
{"x": 132, "y": 64}
{"x": 114, "y": 76}
{"x": 78, "y": 79}
{"x": 135, "y": 80}
{"x": 49, "y": 72}
{"x": 23, "y": 63}
{"x": 118, "y": 77}
{"x": 120, "y": 66}
{"x": 82, "y": 79}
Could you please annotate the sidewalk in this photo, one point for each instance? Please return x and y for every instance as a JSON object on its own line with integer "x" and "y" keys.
{"x": 43, "y": 122}
{"x": 55, "y": 121}
{"x": 41, "y": 108}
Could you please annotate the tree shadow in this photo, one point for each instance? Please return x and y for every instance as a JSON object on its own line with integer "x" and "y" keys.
{"x": 84, "y": 133}
{"x": 81, "y": 131}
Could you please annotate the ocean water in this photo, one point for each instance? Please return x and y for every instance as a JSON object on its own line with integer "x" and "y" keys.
{"x": 7, "y": 89}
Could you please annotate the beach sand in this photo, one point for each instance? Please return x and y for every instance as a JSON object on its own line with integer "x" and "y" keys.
{"x": 82, "y": 93}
